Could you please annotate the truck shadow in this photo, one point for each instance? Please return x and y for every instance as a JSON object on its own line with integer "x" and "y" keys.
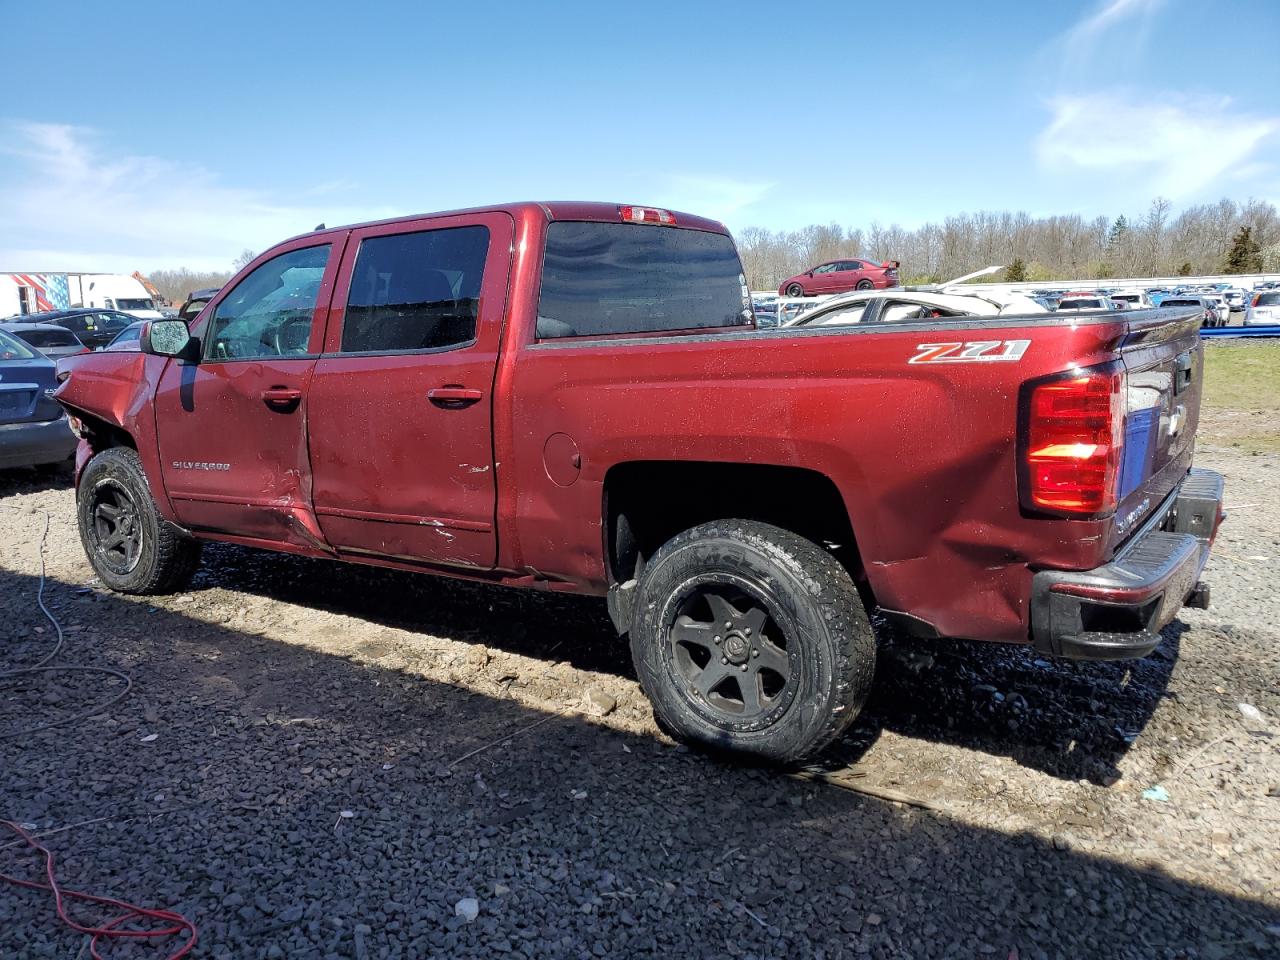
{"x": 36, "y": 479}
{"x": 1072, "y": 720}
{"x": 228, "y": 769}
{"x": 1069, "y": 720}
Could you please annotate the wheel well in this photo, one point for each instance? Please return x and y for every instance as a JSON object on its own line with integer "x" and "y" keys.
{"x": 102, "y": 434}
{"x": 648, "y": 503}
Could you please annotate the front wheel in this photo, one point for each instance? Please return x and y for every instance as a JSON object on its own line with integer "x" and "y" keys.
{"x": 129, "y": 545}
{"x": 749, "y": 639}
{"x": 795, "y": 290}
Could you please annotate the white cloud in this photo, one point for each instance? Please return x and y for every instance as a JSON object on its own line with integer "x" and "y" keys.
{"x": 1108, "y": 15}
{"x": 69, "y": 203}
{"x": 1177, "y": 146}
{"x": 720, "y": 198}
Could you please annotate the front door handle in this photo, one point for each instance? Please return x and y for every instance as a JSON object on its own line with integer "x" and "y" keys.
{"x": 452, "y": 398}
{"x": 281, "y": 398}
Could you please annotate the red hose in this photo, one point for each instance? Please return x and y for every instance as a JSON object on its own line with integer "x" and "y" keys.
{"x": 176, "y": 924}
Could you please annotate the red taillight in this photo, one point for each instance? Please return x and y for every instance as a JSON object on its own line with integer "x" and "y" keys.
{"x": 646, "y": 215}
{"x": 1075, "y": 434}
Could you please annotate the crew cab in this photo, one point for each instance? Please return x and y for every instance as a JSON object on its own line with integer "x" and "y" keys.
{"x": 575, "y": 397}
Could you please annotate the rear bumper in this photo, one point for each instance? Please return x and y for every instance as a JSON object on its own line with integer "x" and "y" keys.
{"x": 28, "y": 444}
{"x": 1116, "y": 611}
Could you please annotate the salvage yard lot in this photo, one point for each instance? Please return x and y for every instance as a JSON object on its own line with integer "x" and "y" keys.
{"x": 277, "y": 694}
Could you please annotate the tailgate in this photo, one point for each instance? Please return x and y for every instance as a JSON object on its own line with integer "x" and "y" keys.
{"x": 1163, "y": 359}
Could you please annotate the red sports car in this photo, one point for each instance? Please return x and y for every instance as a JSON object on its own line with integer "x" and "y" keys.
{"x": 841, "y": 276}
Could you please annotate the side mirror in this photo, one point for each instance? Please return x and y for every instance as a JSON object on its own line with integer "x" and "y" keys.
{"x": 168, "y": 338}
{"x": 808, "y": 273}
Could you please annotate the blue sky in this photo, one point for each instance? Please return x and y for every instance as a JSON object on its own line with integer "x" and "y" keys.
{"x": 142, "y": 135}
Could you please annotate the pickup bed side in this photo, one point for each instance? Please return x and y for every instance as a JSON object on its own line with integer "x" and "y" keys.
{"x": 924, "y": 456}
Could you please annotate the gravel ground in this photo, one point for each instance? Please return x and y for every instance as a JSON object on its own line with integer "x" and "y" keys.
{"x": 296, "y": 771}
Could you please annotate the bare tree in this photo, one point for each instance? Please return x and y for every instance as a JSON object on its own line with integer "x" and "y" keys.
{"x": 243, "y": 260}
{"x": 1066, "y": 247}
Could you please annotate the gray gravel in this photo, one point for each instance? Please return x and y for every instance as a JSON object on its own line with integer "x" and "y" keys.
{"x": 280, "y": 693}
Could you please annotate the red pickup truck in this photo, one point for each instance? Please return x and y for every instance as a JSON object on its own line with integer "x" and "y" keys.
{"x": 574, "y": 397}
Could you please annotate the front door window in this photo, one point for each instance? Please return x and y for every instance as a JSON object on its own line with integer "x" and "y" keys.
{"x": 270, "y": 312}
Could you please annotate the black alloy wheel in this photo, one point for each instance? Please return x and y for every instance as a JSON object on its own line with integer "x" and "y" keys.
{"x": 115, "y": 529}
{"x": 730, "y": 656}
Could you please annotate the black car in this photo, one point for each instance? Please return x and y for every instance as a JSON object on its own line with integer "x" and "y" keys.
{"x": 196, "y": 300}
{"x": 95, "y": 328}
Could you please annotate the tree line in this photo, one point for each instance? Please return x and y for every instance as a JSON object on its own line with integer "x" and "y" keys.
{"x": 174, "y": 285}
{"x": 1222, "y": 237}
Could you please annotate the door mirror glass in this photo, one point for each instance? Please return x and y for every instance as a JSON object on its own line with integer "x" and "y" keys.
{"x": 165, "y": 338}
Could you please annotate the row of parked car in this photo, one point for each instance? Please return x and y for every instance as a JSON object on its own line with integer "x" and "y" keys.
{"x": 34, "y": 430}
{"x": 856, "y": 284}
{"x": 1218, "y": 301}
{"x": 65, "y": 333}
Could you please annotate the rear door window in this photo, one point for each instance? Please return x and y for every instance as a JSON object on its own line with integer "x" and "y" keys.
{"x": 600, "y": 279}
{"x": 415, "y": 291}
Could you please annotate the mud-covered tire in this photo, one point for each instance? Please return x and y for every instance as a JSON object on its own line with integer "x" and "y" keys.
{"x": 129, "y": 545}
{"x": 816, "y": 629}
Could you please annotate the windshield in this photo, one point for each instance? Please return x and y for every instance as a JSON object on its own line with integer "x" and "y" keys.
{"x": 1126, "y": 297}
{"x": 852, "y": 313}
{"x": 147, "y": 304}
{"x": 11, "y": 348}
{"x": 1267, "y": 300}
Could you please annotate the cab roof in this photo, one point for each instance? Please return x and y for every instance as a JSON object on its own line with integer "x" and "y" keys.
{"x": 548, "y": 209}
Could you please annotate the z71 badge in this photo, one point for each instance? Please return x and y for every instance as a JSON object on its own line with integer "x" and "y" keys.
{"x": 976, "y": 351}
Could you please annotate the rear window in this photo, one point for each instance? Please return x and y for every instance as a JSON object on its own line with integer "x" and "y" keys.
{"x": 49, "y": 338}
{"x": 1081, "y": 303}
{"x": 1181, "y": 302}
{"x": 1268, "y": 300}
{"x": 609, "y": 278}
{"x": 11, "y": 348}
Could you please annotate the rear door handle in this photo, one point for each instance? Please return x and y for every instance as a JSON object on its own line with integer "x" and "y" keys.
{"x": 281, "y": 398}
{"x": 453, "y": 397}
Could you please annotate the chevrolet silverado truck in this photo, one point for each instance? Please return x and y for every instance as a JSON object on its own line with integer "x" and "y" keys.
{"x": 575, "y": 397}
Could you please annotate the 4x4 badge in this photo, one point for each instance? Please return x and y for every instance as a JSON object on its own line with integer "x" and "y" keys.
{"x": 975, "y": 351}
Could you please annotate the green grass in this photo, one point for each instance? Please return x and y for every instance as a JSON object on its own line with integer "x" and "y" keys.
{"x": 1241, "y": 403}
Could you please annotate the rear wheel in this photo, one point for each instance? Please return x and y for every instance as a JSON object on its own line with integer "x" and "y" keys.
{"x": 749, "y": 639}
{"x": 864, "y": 284}
{"x": 130, "y": 546}
{"x": 795, "y": 290}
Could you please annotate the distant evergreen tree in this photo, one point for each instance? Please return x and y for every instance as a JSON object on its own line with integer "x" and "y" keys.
{"x": 1185, "y": 269}
{"x": 1119, "y": 230}
{"x": 1245, "y": 255}
{"x": 1015, "y": 272}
